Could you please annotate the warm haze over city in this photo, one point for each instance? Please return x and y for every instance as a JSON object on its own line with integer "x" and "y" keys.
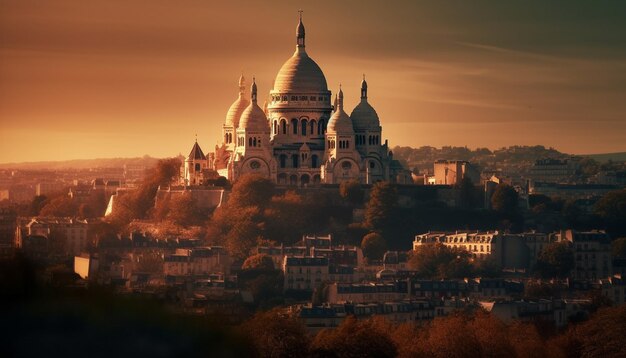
{"x": 95, "y": 79}
{"x": 372, "y": 179}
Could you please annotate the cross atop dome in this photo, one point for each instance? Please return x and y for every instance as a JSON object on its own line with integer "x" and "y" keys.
{"x": 300, "y": 32}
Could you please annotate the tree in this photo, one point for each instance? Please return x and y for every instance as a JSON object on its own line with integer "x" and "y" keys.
{"x": 60, "y": 206}
{"x": 373, "y": 246}
{"x": 468, "y": 194}
{"x": 275, "y": 335}
{"x": 504, "y": 200}
{"x": 612, "y": 210}
{"x": 351, "y": 190}
{"x": 184, "y": 211}
{"x": 618, "y": 247}
{"x": 379, "y": 213}
{"x": 556, "y": 260}
{"x": 244, "y": 233}
{"x": 258, "y": 261}
{"x": 251, "y": 190}
{"x": 487, "y": 267}
{"x": 439, "y": 261}
{"x": 353, "y": 338}
{"x": 37, "y": 204}
{"x": 601, "y": 336}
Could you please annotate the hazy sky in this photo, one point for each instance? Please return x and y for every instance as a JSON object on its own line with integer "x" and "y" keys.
{"x": 86, "y": 79}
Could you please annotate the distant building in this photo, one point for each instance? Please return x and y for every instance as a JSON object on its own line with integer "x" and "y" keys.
{"x": 65, "y": 235}
{"x": 8, "y": 225}
{"x": 368, "y": 292}
{"x": 571, "y": 191}
{"x": 197, "y": 261}
{"x": 452, "y": 172}
{"x": 614, "y": 288}
{"x": 46, "y": 188}
{"x": 304, "y": 273}
{"x": 592, "y": 253}
{"x": 555, "y": 170}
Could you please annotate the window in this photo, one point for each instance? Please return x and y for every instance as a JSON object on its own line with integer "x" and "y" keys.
{"x": 314, "y": 161}
{"x": 304, "y": 125}
{"x": 313, "y": 125}
{"x": 197, "y": 167}
{"x": 294, "y": 160}
{"x": 294, "y": 124}
{"x": 250, "y": 141}
{"x": 283, "y": 160}
{"x": 372, "y": 165}
{"x": 321, "y": 128}
{"x": 283, "y": 126}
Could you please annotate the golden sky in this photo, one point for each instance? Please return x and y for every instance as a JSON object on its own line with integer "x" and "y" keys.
{"x": 102, "y": 78}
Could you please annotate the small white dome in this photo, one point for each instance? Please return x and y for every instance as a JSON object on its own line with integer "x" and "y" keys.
{"x": 253, "y": 118}
{"x": 233, "y": 115}
{"x": 340, "y": 122}
{"x": 364, "y": 116}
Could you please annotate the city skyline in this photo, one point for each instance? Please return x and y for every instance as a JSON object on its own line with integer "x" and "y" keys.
{"x": 104, "y": 80}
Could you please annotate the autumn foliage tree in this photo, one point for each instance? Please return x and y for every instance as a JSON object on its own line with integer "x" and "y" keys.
{"x": 274, "y": 334}
{"x": 380, "y": 210}
{"x": 355, "y": 338}
{"x": 441, "y": 262}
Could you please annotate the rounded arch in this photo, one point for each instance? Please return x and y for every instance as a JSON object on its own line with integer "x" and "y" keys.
{"x": 293, "y": 179}
{"x": 282, "y": 179}
{"x": 314, "y": 161}
{"x": 304, "y": 180}
{"x": 321, "y": 127}
{"x": 283, "y": 125}
{"x": 313, "y": 126}
{"x": 283, "y": 160}
{"x": 346, "y": 169}
{"x": 304, "y": 124}
{"x": 317, "y": 179}
{"x": 294, "y": 125}
{"x": 255, "y": 165}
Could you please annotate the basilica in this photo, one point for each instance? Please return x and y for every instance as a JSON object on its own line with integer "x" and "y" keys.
{"x": 298, "y": 137}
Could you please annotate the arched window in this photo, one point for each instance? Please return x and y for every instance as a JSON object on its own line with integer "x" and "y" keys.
{"x": 314, "y": 161}
{"x": 304, "y": 123}
{"x": 313, "y": 126}
{"x": 283, "y": 161}
{"x": 275, "y": 127}
{"x": 294, "y": 124}
{"x": 321, "y": 129}
{"x": 250, "y": 142}
{"x": 347, "y": 144}
{"x": 254, "y": 142}
{"x": 294, "y": 160}
{"x": 283, "y": 125}
{"x": 197, "y": 167}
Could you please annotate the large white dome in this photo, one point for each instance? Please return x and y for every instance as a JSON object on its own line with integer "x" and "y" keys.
{"x": 300, "y": 74}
